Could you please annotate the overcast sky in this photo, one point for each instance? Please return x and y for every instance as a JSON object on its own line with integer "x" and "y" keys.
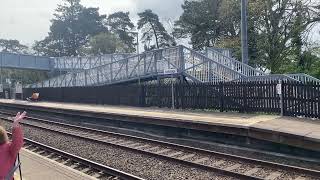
{"x": 29, "y": 20}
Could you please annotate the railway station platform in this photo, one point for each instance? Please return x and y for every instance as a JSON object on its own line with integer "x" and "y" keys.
{"x": 36, "y": 167}
{"x": 294, "y": 132}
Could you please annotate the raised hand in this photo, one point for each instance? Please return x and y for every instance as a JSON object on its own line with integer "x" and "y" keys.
{"x": 19, "y": 117}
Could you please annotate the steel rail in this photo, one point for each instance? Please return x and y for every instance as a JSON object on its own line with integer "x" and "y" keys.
{"x": 273, "y": 165}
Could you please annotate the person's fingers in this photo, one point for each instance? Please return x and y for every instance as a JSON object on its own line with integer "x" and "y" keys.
{"x": 23, "y": 115}
{"x": 20, "y": 116}
{"x": 17, "y": 115}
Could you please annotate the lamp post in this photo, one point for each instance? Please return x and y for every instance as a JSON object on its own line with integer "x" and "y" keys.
{"x": 244, "y": 31}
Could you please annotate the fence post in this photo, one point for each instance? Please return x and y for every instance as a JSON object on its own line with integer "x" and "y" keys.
{"x": 280, "y": 93}
{"x": 158, "y": 92}
{"x": 85, "y": 77}
{"x": 281, "y": 99}
{"x": 172, "y": 93}
{"x": 181, "y": 92}
{"x": 221, "y": 94}
{"x": 245, "y": 100}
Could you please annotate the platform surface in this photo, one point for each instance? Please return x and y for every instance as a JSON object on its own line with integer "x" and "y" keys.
{"x": 36, "y": 167}
{"x": 304, "y": 129}
{"x": 209, "y": 117}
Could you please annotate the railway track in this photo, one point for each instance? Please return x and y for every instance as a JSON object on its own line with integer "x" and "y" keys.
{"x": 226, "y": 164}
{"x": 86, "y": 166}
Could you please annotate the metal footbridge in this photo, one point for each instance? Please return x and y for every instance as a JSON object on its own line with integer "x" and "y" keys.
{"x": 65, "y": 64}
{"x": 191, "y": 64}
{"x": 212, "y": 66}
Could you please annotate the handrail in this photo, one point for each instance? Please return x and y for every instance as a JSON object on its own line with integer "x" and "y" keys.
{"x": 208, "y": 59}
{"x": 207, "y": 70}
{"x": 184, "y": 59}
{"x": 304, "y": 77}
{"x": 271, "y": 77}
{"x": 105, "y": 72}
{"x": 80, "y": 63}
{"x": 243, "y": 67}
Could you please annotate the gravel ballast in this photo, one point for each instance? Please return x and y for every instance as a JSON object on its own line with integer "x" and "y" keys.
{"x": 138, "y": 164}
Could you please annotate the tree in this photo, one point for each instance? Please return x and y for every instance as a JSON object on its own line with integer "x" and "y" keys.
{"x": 71, "y": 28}
{"x": 311, "y": 65}
{"x": 207, "y": 22}
{"x": 12, "y": 46}
{"x": 279, "y": 27}
{"x": 153, "y": 29}
{"x": 297, "y": 41}
{"x": 121, "y": 25}
{"x": 104, "y": 43}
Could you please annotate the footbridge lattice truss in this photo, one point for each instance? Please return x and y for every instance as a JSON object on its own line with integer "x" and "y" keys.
{"x": 212, "y": 66}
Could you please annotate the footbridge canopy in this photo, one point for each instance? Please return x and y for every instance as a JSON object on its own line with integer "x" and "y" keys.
{"x": 31, "y": 62}
{"x": 21, "y": 61}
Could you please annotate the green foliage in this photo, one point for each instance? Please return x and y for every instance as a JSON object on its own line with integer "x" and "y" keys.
{"x": 12, "y": 46}
{"x": 276, "y": 29}
{"x": 71, "y": 29}
{"x": 121, "y": 25}
{"x": 104, "y": 43}
{"x": 279, "y": 29}
{"x": 311, "y": 64}
{"x": 153, "y": 29}
{"x": 208, "y": 22}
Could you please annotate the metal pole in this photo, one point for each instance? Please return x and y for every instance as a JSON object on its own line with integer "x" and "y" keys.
{"x": 281, "y": 98}
{"x": 244, "y": 31}
{"x": 172, "y": 93}
{"x": 20, "y": 171}
{"x": 280, "y": 93}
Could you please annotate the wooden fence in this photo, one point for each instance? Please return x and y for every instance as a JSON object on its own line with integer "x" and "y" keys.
{"x": 301, "y": 99}
{"x": 242, "y": 97}
{"x": 297, "y": 99}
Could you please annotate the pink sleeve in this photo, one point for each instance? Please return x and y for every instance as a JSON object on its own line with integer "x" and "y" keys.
{"x": 17, "y": 140}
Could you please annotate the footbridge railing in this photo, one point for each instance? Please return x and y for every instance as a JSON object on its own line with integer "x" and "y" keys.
{"x": 197, "y": 67}
{"x": 144, "y": 65}
{"x": 233, "y": 63}
{"x": 203, "y": 69}
{"x": 252, "y": 74}
{"x": 187, "y": 62}
{"x": 301, "y": 77}
{"x": 87, "y": 62}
